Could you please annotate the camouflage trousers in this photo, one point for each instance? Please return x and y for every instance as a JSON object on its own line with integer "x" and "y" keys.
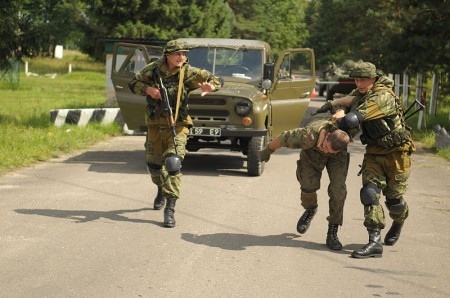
{"x": 390, "y": 173}
{"x": 309, "y": 173}
{"x": 158, "y": 146}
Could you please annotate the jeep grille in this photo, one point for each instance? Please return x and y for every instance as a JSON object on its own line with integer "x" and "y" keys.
{"x": 208, "y": 115}
{"x": 199, "y": 113}
{"x": 208, "y": 101}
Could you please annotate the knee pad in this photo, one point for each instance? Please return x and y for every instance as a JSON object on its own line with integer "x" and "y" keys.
{"x": 370, "y": 194}
{"x": 173, "y": 164}
{"x": 396, "y": 206}
{"x": 154, "y": 169}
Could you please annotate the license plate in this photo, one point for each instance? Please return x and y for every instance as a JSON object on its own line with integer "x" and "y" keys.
{"x": 205, "y": 131}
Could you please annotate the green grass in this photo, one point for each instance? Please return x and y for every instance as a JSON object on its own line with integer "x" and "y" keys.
{"x": 27, "y": 135}
{"x": 79, "y": 62}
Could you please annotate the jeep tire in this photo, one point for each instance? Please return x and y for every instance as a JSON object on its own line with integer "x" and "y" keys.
{"x": 254, "y": 166}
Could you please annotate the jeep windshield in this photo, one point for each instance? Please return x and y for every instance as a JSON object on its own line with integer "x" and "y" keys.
{"x": 239, "y": 63}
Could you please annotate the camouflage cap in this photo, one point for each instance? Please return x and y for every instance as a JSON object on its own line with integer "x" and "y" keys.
{"x": 175, "y": 46}
{"x": 363, "y": 70}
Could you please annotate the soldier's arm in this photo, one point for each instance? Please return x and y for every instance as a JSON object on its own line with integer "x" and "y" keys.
{"x": 202, "y": 78}
{"x": 343, "y": 101}
{"x": 295, "y": 138}
{"x": 142, "y": 81}
{"x": 275, "y": 144}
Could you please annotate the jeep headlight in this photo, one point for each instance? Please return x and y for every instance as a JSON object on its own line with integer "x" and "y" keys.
{"x": 266, "y": 84}
{"x": 243, "y": 108}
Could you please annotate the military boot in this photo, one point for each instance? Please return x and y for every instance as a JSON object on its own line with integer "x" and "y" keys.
{"x": 394, "y": 233}
{"x": 371, "y": 249}
{"x": 305, "y": 220}
{"x": 333, "y": 242}
{"x": 160, "y": 201}
{"x": 169, "y": 219}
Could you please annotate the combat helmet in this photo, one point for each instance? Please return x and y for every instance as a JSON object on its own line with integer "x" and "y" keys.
{"x": 174, "y": 46}
{"x": 364, "y": 70}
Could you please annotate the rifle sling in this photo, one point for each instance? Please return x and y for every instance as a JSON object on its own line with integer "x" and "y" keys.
{"x": 180, "y": 90}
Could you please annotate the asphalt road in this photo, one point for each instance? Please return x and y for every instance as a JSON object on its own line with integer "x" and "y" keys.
{"x": 83, "y": 226}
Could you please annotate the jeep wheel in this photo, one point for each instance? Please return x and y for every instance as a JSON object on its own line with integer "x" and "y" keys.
{"x": 254, "y": 166}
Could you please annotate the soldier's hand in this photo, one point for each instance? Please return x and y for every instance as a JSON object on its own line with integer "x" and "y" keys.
{"x": 323, "y": 109}
{"x": 264, "y": 155}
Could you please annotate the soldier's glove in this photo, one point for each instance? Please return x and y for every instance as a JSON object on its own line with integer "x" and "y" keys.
{"x": 264, "y": 155}
{"x": 323, "y": 109}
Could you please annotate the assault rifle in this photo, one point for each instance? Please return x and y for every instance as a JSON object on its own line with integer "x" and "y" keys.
{"x": 173, "y": 162}
{"x": 416, "y": 102}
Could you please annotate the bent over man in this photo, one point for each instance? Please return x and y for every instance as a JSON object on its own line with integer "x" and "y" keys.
{"x": 323, "y": 146}
{"x": 387, "y": 164}
{"x": 163, "y": 155}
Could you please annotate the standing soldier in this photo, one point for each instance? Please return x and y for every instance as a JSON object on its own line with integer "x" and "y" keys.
{"x": 387, "y": 164}
{"x": 164, "y": 153}
{"x": 323, "y": 145}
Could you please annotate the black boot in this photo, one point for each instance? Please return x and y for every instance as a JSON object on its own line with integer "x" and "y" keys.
{"x": 394, "y": 233}
{"x": 160, "y": 201}
{"x": 371, "y": 249}
{"x": 305, "y": 220}
{"x": 169, "y": 219}
{"x": 333, "y": 242}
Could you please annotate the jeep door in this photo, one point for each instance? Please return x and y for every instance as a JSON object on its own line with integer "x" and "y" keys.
{"x": 127, "y": 60}
{"x": 290, "y": 94}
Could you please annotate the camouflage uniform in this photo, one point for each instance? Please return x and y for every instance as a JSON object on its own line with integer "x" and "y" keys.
{"x": 387, "y": 159}
{"x": 311, "y": 164}
{"x": 159, "y": 142}
{"x": 387, "y": 164}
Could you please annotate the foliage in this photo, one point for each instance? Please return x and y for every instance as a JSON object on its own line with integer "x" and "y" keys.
{"x": 9, "y": 43}
{"x": 282, "y": 25}
{"x": 396, "y": 35}
{"x": 149, "y": 19}
{"x": 33, "y": 27}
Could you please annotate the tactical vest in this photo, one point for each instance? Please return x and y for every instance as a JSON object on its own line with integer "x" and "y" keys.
{"x": 390, "y": 131}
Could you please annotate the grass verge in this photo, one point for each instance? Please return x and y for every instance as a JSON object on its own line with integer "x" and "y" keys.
{"x": 27, "y": 135}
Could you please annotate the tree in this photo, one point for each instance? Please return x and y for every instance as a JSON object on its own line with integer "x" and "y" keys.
{"x": 34, "y": 27}
{"x": 423, "y": 43}
{"x": 281, "y": 23}
{"x": 154, "y": 20}
{"x": 9, "y": 34}
{"x": 396, "y": 35}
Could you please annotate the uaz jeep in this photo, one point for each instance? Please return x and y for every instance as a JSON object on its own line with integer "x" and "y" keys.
{"x": 259, "y": 99}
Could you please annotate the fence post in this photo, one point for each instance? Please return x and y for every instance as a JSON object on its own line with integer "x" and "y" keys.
{"x": 419, "y": 88}
{"x": 405, "y": 89}
{"x": 397, "y": 84}
{"x": 434, "y": 94}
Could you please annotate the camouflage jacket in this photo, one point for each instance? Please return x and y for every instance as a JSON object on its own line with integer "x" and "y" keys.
{"x": 192, "y": 77}
{"x": 306, "y": 137}
{"x": 384, "y": 128}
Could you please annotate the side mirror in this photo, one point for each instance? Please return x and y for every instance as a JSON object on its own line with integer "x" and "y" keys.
{"x": 269, "y": 71}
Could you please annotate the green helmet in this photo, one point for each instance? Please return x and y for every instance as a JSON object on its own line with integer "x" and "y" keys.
{"x": 364, "y": 70}
{"x": 174, "y": 46}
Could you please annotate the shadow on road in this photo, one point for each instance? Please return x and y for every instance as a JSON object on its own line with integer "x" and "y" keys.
{"x": 83, "y": 216}
{"x": 126, "y": 162}
{"x": 200, "y": 164}
{"x": 133, "y": 162}
{"x": 232, "y": 241}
